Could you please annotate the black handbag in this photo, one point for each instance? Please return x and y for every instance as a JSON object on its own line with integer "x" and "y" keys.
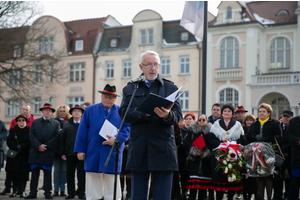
{"x": 12, "y": 153}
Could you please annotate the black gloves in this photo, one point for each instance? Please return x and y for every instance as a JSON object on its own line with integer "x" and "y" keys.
{"x": 259, "y": 138}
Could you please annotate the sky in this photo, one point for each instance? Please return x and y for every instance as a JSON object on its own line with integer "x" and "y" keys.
{"x": 122, "y": 11}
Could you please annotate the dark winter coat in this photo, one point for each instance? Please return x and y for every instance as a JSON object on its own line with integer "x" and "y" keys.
{"x": 3, "y": 135}
{"x": 194, "y": 166}
{"x": 68, "y": 138}
{"x": 269, "y": 130}
{"x": 293, "y": 136}
{"x": 151, "y": 145}
{"x": 18, "y": 136}
{"x": 182, "y": 151}
{"x": 43, "y": 132}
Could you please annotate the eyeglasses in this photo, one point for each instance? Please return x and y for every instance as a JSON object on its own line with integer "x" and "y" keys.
{"x": 21, "y": 120}
{"x": 155, "y": 65}
{"x": 62, "y": 111}
{"x": 199, "y": 120}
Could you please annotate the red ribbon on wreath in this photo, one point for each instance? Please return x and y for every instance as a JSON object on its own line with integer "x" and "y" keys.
{"x": 229, "y": 145}
{"x": 256, "y": 150}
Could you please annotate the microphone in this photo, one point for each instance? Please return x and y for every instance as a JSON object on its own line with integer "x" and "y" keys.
{"x": 137, "y": 80}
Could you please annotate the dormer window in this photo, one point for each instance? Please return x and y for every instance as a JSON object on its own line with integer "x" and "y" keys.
{"x": 282, "y": 13}
{"x": 228, "y": 13}
{"x": 79, "y": 45}
{"x": 184, "y": 36}
{"x": 113, "y": 43}
{"x": 17, "y": 51}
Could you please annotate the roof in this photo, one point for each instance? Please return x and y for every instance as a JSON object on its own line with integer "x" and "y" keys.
{"x": 269, "y": 10}
{"x": 86, "y": 30}
{"x": 171, "y": 36}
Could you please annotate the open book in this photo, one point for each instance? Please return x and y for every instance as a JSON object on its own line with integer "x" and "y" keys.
{"x": 153, "y": 100}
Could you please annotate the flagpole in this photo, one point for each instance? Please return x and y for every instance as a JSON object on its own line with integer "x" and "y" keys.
{"x": 204, "y": 62}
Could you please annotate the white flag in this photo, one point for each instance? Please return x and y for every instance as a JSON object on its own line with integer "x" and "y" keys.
{"x": 192, "y": 18}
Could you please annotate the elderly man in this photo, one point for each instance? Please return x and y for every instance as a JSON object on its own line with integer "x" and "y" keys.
{"x": 43, "y": 135}
{"x": 26, "y": 110}
{"x": 68, "y": 137}
{"x": 152, "y": 146}
{"x": 94, "y": 149}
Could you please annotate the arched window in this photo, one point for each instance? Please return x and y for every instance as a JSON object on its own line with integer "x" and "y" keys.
{"x": 280, "y": 53}
{"x": 229, "y": 53}
{"x": 229, "y": 96}
{"x": 282, "y": 13}
{"x": 228, "y": 13}
{"x": 279, "y": 105}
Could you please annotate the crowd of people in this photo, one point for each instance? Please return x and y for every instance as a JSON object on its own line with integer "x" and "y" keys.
{"x": 159, "y": 148}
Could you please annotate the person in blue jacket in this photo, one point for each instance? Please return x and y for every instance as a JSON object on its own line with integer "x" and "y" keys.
{"x": 94, "y": 149}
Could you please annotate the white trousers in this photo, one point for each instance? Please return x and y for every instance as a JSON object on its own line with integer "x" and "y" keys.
{"x": 98, "y": 185}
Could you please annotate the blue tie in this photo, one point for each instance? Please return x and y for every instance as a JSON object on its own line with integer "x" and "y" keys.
{"x": 105, "y": 113}
{"x": 77, "y": 124}
{"x": 149, "y": 84}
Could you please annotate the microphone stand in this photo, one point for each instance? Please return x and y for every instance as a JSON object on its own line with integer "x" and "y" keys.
{"x": 116, "y": 145}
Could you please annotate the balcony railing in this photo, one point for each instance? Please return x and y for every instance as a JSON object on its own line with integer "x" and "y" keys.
{"x": 228, "y": 74}
{"x": 275, "y": 79}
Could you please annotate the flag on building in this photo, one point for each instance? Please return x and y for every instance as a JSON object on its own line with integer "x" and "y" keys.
{"x": 192, "y": 18}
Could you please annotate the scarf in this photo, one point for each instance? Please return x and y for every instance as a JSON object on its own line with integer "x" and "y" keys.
{"x": 21, "y": 127}
{"x": 262, "y": 122}
{"x": 233, "y": 134}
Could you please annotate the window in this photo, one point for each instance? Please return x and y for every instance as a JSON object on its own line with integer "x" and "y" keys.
{"x": 150, "y": 36}
{"x": 165, "y": 66}
{"x": 52, "y": 73}
{"x": 38, "y": 74}
{"x": 184, "y": 101}
{"x": 184, "y": 65}
{"x": 282, "y": 13}
{"x": 228, "y": 13}
{"x": 126, "y": 69}
{"x": 15, "y": 77}
{"x": 143, "y": 37}
{"x": 184, "y": 36}
{"x": 79, "y": 45}
{"x": 113, "y": 43}
{"x": 229, "y": 53}
{"x": 46, "y": 45}
{"x": 13, "y": 107}
{"x": 37, "y": 104}
{"x": 279, "y": 105}
{"x": 76, "y": 72}
{"x": 72, "y": 101}
{"x": 146, "y": 38}
{"x": 51, "y": 100}
{"x": 17, "y": 51}
{"x": 280, "y": 53}
{"x": 229, "y": 96}
{"x": 109, "y": 70}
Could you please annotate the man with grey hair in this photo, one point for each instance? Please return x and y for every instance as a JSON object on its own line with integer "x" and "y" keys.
{"x": 26, "y": 110}
{"x": 152, "y": 146}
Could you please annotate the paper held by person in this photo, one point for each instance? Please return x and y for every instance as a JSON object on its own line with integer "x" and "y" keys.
{"x": 108, "y": 129}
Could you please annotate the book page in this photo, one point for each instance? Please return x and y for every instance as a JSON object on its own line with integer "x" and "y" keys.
{"x": 108, "y": 129}
{"x": 172, "y": 97}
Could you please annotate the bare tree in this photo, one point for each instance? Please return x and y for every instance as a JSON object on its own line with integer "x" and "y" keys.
{"x": 29, "y": 55}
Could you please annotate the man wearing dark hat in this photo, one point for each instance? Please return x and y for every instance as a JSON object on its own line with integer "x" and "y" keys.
{"x": 152, "y": 147}
{"x": 68, "y": 137}
{"x": 240, "y": 113}
{"x": 43, "y": 135}
{"x": 286, "y": 148}
{"x": 94, "y": 149}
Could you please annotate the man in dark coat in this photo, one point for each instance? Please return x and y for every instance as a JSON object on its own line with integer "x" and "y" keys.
{"x": 215, "y": 113}
{"x": 43, "y": 135}
{"x": 151, "y": 145}
{"x": 68, "y": 137}
{"x": 286, "y": 147}
{"x": 3, "y": 135}
{"x": 293, "y": 136}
